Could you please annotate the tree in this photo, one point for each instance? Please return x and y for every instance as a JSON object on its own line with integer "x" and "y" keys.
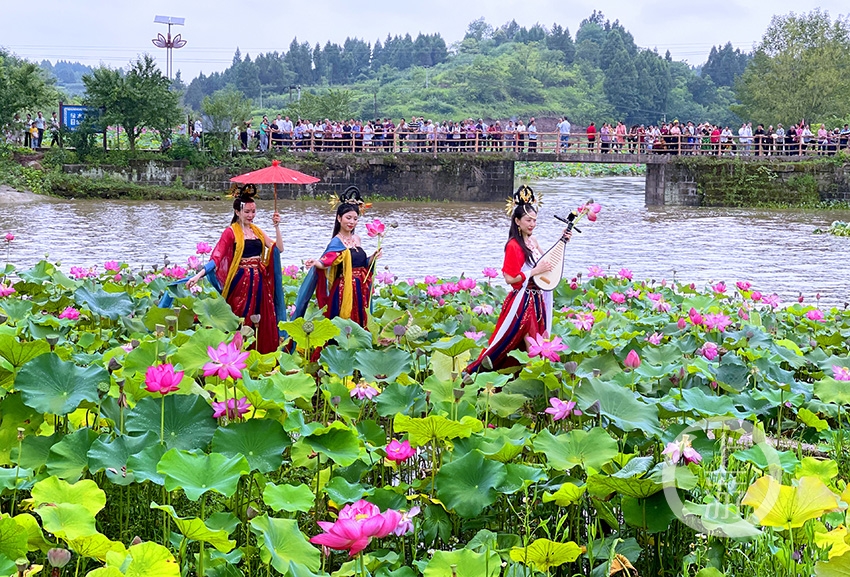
{"x": 800, "y": 70}
{"x": 23, "y": 85}
{"x": 225, "y": 109}
{"x": 479, "y": 29}
{"x": 137, "y": 100}
{"x": 621, "y": 81}
{"x": 725, "y": 65}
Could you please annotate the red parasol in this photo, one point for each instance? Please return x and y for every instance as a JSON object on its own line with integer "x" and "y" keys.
{"x": 275, "y": 174}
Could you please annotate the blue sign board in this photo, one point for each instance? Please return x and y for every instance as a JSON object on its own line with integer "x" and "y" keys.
{"x": 73, "y": 116}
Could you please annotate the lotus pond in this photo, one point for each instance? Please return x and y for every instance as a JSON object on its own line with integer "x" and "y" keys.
{"x": 663, "y": 429}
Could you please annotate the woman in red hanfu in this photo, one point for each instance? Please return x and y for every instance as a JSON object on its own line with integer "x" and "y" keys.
{"x": 527, "y": 310}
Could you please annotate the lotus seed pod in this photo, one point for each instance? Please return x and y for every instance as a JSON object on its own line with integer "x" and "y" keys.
{"x": 308, "y": 327}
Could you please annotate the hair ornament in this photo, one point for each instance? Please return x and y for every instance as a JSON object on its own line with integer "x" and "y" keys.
{"x": 247, "y": 190}
{"x": 350, "y": 195}
{"x": 524, "y": 195}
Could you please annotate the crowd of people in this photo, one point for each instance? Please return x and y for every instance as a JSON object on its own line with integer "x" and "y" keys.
{"x": 29, "y": 131}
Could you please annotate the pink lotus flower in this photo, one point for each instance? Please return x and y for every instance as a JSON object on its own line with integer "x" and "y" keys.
{"x": 595, "y": 271}
{"x": 594, "y": 207}
{"x": 717, "y": 321}
{"x": 405, "y": 524}
{"x": 435, "y": 291}
{"x": 681, "y": 323}
{"x": 193, "y": 262}
{"x": 175, "y": 272}
{"x": 385, "y": 277}
{"x": 743, "y": 285}
{"x": 162, "y": 379}
{"x": 150, "y": 278}
{"x": 375, "y": 228}
{"x": 719, "y": 288}
{"x": 117, "y": 278}
{"x": 466, "y": 284}
{"x": 632, "y": 360}
{"x": 743, "y": 315}
{"x": 771, "y": 300}
{"x": 357, "y": 525}
{"x": 226, "y": 360}
{"x": 112, "y": 265}
{"x": 70, "y": 313}
{"x": 591, "y": 216}
{"x": 483, "y": 310}
{"x": 696, "y": 318}
{"x": 411, "y": 282}
{"x": 234, "y": 409}
{"x": 815, "y": 315}
{"x": 203, "y": 248}
{"x": 6, "y": 290}
{"x": 677, "y": 451}
{"x": 583, "y": 321}
{"x": 540, "y": 347}
{"x": 490, "y": 272}
{"x": 618, "y": 298}
{"x": 291, "y": 270}
{"x": 474, "y": 335}
{"x": 840, "y": 373}
{"x": 560, "y": 409}
{"x": 709, "y": 350}
{"x": 655, "y": 338}
{"x": 399, "y": 451}
{"x": 633, "y": 293}
{"x": 450, "y": 288}
{"x": 10, "y": 237}
{"x": 431, "y": 279}
{"x": 655, "y": 297}
{"x": 756, "y": 296}
{"x": 364, "y": 390}
{"x": 625, "y": 274}
{"x": 661, "y": 306}
{"x": 79, "y": 272}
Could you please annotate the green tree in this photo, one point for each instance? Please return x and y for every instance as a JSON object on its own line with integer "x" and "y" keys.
{"x": 225, "y": 109}
{"x": 800, "y": 70}
{"x": 620, "y": 83}
{"x": 137, "y": 100}
{"x": 23, "y": 85}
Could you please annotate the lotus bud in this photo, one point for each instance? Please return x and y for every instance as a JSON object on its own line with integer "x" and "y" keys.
{"x": 165, "y": 260}
{"x": 255, "y": 319}
{"x": 420, "y": 352}
{"x": 58, "y": 557}
{"x": 399, "y": 330}
{"x": 321, "y": 373}
{"x": 335, "y": 400}
{"x": 571, "y": 367}
{"x": 136, "y": 541}
{"x": 347, "y": 331}
{"x": 113, "y": 365}
{"x": 21, "y": 432}
{"x": 308, "y": 327}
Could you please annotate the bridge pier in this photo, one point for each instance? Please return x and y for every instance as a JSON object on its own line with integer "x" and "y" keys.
{"x": 670, "y": 183}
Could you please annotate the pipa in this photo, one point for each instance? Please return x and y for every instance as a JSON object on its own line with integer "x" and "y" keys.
{"x": 550, "y": 279}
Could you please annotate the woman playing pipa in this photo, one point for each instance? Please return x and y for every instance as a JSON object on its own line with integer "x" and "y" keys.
{"x": 527, "y": 310}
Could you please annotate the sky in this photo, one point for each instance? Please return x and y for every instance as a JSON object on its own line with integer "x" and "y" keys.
{"x": 114, "y": 32}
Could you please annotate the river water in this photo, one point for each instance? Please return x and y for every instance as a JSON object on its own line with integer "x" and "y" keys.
{"x": 773, "y": 249}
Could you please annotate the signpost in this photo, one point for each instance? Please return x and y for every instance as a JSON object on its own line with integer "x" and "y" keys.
{"x": 71, "y": 116}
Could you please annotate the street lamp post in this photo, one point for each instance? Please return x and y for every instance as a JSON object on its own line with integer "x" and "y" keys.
{"x": 168, "y": 42}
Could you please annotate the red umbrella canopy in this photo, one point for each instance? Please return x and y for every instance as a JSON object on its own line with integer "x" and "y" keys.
{"x": 274, "y": 174}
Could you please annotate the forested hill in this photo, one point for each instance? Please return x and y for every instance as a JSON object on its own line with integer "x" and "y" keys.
{"x": 600, "y": 74}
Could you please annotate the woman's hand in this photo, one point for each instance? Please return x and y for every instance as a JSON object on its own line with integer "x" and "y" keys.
{"x": 377, "y": 254}
{"x": 568, "y": 234}
{"x": 543, "y": 266}
{"x": 276, "y": 219}
{"x": 194, "y": 280}
{"x": 310, "y": 263}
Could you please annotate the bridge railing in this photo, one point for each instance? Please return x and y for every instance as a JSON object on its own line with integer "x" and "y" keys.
{"x": 555, "y": 143}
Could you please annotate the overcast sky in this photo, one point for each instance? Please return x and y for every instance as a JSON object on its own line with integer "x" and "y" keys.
{"x": 113, "y": 32}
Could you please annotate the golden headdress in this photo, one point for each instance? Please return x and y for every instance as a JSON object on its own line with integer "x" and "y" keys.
{"x": 523, "y": 195}
{"x": 350, "y": 195}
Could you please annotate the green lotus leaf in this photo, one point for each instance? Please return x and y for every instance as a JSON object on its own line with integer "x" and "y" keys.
{"x": 323, "y": 331}
{"x": 338, "y": 442}
{"x": 543, "y": 554}
{"x": 767, "y": 458}
{"x": 835, "y": 567}
{"x": 34, "y": 449}
{"x": 188, "y": 420}
{"x": 518, "y": 477}
{"x": 733, "y": 374}
{"x": 397, "y": 398}
{"x": 17, "y": 309}
{"x": 568, "y": 494}
{"x": 383, "y": 365}
{"x": 607, "y": 364}
{"x": 149, "y": 559}
{"x": 341, "y": 491}
{"x": 830, "y": 390}
{"x": 503, "y": 444}
{"x": 339, "y": 361}
{"x": 296, "y": 386}
{"x": 652, "y": 514}
{"x": 351, "y": 335}
{"x": 620, "y": 405}
{"x": 435, "y": 428}
{"x": 193, "y": 354}
{"x": 468, "y": 485}
{"x": 288, "y": 498}
{"x": 16, "y": 478}
{"x": 68, "y": 459}
{"x": 50, "y": 385}
{"x": 197, "y": 474}
{"x": 111, "y": 456}
{"x": 53, "y": 491}
{"x": 824, "y": 469}
{"x": 195, "y": 529}
{"x": 809, "y": 418}
{"x": 95, "y": 546}
{"x": 67, "y": 520}
{"x": 463, "y": 562}
{"x": 16, "y": 414}
{"x": 261, "y": 441}
{"x": 263, "y": 393}
{"x": 721, "y": 519}
{"x": 104, "y": 304}
{"x": 216, "y": 313}
{"x": 17, "y": 354}
{"x": 105, "y": 572}
{"x": 143, "y": 465}
{"x": 787, "y": 507}
{"x": 602, "y": 485}
{"x": 667, "y": 356}
{"x": 139, "y": 359}
{"x": 636, "y": 466}
{"x": 588, "y": 449}
{"x": 281, "y": 542}
{"x": 712, "y": 405}
{"x": 35, "y": 536}
{"x": 13, "y": 539}
{"x": 454, "y": 346}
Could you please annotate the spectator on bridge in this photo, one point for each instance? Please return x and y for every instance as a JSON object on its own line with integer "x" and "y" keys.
{"x": 531, "y": 129}
{"x": 605, "y": 137}
{"x": 564, "y": 129}
{"x": 54, "y": 130}
{"x": 591, "y": 137}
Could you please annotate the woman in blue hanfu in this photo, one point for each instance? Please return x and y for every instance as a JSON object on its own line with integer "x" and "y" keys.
{"x": 341, "y": 278}
{"x": 527, "y": 310}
